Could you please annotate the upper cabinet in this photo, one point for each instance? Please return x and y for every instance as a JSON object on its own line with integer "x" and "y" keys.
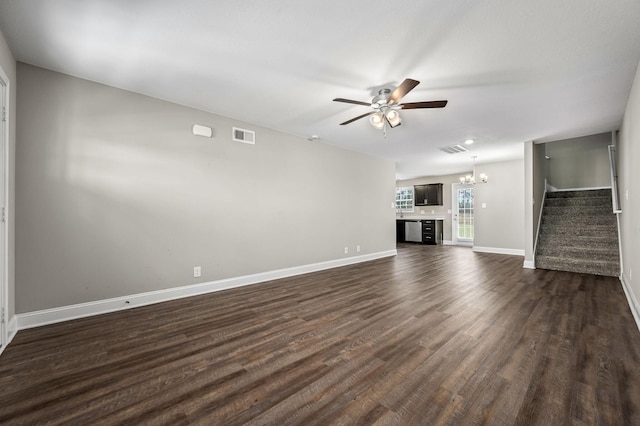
{"x": 428, "y": 195}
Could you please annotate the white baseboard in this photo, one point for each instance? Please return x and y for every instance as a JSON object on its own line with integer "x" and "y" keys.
{"x": 498, "y": 250}
{"x": 12, "y": 329}
{"x": 447, "y": 242}
{"x": 462, "y": 244}
{"x": 81, "y": 310}
{"x": 529, "y": 264}
{"x": 631, "y": 299}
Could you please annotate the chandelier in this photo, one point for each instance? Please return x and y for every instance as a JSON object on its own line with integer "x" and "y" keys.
{"x": 471, "y": 179}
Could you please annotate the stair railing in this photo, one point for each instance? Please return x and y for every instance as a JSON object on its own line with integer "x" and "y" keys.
{"x": 544, "y": 198}
{"x": 614, "y": 195}
{"x": 614, "y": 179}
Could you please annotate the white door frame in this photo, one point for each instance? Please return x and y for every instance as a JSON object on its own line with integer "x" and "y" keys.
{"x": 454, "y": 216}
{"x": 4, "y": 179}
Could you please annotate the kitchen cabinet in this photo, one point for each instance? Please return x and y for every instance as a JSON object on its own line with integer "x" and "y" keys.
{"x": 400, "y": 238}
{"x": 429, "y": 231}
{"x": 428, "y": 195}
{"x": 432, "y": 231}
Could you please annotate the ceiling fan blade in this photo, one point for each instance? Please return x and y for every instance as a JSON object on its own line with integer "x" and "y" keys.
{"x": 430, "y": 104}
{"x": 405, "y": 87}
{"x": 357, "y": 118}
{"x": 349, "y": 101}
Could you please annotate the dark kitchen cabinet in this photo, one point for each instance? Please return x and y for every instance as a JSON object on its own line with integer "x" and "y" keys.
{"x": 428, "y": 195}
{"x": 432, "y": 231}
{"x": 400, "y": 231}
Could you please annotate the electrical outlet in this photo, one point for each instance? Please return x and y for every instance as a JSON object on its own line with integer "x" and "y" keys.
{"x": 358, "y": 249}
{"x": 197, "y": 271}
{"x": 346, "y": 250}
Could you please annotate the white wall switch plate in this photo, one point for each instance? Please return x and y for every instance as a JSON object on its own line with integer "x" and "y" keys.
{"x": 197, "y": 271}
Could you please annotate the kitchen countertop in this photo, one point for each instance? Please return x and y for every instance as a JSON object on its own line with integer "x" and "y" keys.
{"x": 423, "y": 217}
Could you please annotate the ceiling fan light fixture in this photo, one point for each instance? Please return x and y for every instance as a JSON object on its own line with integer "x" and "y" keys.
{"x": 393, "y": 117}
{"x": 377, "y": 120}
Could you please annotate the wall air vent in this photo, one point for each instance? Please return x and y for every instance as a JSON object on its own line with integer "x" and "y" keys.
{"x": 242, "y": 135}
{"x": 453, "y": 149}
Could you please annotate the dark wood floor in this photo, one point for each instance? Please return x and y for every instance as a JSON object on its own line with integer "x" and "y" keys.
{"x": 437, "y": 335}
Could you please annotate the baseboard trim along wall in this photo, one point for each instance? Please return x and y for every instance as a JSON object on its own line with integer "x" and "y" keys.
{"x": 81, "y": 310}
{"x": 12, "y": 329}
{"x": 498, "y": 250}
{"x": 631, "y": 299}
{"x": 529, "y": 264}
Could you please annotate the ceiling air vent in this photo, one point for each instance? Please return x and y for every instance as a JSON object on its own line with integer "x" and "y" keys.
{"x": 242, "y": 135}
{"x": 453, "y": 149}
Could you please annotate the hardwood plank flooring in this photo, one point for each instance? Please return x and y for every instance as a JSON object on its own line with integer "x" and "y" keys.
{"x": 437, "y": 335}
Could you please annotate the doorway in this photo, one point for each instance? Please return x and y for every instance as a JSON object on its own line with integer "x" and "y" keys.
{"x": 462, "y": 214}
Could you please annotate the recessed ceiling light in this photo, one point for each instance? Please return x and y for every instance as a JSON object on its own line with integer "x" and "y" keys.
{"x": 469, "y": 141}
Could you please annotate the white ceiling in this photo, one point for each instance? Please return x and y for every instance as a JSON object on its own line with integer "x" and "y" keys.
{"x": 512, "y": 70}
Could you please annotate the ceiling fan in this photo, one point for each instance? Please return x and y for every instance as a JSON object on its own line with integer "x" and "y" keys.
{"x": 386, "y": 105}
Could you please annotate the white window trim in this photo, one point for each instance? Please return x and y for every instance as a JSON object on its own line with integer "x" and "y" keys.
{"x": 408, "y": 203}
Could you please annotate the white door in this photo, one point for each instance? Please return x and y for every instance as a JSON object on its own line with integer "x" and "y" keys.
{"x": 4, "y": 143}
{"x": 462, "y": 214}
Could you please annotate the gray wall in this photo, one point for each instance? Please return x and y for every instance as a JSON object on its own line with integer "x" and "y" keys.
{"x": 628, "y": 160}
{"x": 500, "y": 225}
{"x": 579, "y": 162}
{"x": 115, "y": 196}
{"x": 8, "y": 64}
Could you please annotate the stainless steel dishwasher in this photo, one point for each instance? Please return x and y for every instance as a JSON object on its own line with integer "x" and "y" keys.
{"x": 413, "y": 231}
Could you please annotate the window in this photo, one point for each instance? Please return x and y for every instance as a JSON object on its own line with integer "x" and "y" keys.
{"x": 465, "y": 213}
{"x": 404, "y": 199}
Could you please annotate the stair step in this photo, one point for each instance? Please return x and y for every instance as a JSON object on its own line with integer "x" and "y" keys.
{"x": 577, "y": 252}
{"x": 572, "y": 230}
{"x": 595, "y": 267}
{"x": 579, "y": 201}
{"x": 583, "y": 193}
{"x": 609, "y": 220}
{"x": 602, "y": 241}
{"x": 578, "y": 211}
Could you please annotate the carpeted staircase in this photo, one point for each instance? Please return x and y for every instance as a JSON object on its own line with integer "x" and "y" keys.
{"x": 578, "y": 233}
